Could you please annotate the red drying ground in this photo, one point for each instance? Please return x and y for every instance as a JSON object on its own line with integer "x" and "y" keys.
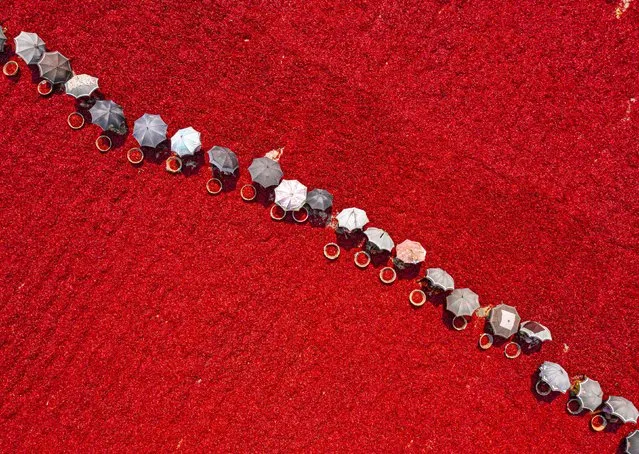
{"x": 139, "y": 313}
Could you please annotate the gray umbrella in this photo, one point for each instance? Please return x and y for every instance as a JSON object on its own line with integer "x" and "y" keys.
{"x": 265, "y": 172}
{"x": 109, "y": 116}
{"x": 3, "y": 39}
{"x": 223, "y": 159}
{"x": 29, "y": 47}
{"x": 440, "y": 279}
{"x": 81, "y": 85}
{"x": 554, "y": 376}
{"x": 380, "y": 239}
{"x": 632, "y": 443}
{"x": 622, "y": 408}
{"x": 504, "y": 320}
{"x": 55, "y": 67}
{"x": 589, "y": 394}
{"x": 462, "y": 302}
{"x": 319, "y": 199}
{"x": 149, "y": 130}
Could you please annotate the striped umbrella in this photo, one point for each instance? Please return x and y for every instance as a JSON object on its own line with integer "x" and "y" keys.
{"x": 554, "y": 376}
{"x": 632, "y": 443}
{"x": 589, "y": 394}
{"x": 440, "y": 279}
{"x": 622, "y": 408}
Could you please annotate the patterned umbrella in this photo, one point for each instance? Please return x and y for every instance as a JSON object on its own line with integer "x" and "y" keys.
{"x": 439, "y": 278}
{"x": 55, "y": 67}
{"x": 462, "y": 302}
{"x": 632, "y": 443}
{"x": 290, "y": 195}
{"x": 319, "y": 199}
{"x": 108, "y": 115}
{"x": 554, "y": 376}
{"x": 589, "y": 394}
{"x": 622, "y": 408}
{"x": 186, "y": 142}
{"x": 380, "y": 239}
{"x": 411, "y": 252}
{"x": 81, "y": 85}
{"x": 504, "y": 320}
{"x": 3, "y": 39}
{"x": 223, "y": 159}
{"x": 265, "y": 172}
{"x": 149, "y": 130}
{"x": 29, "y": 47}
{"x": 352, "y": 219}
{"x": 534, "y": 332}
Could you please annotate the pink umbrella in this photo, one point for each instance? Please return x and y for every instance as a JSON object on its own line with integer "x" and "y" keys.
{"x": 410, "y": 252}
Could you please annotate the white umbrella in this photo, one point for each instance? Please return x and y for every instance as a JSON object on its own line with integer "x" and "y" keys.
{"x": 29, "y": 47}
{"x": 352, "y": 219}
{"x": 462, "y": 302}
{"x": 440, "y": 279}
{"x": 149, "y": 130}
{"x": 622, "y": 408}
{"x": 589, "y": 394}
{"x": 55, "y": 67}
{"x": 632, "y": 443}
{"x": 81, "y": 85}
{"x": 411, "y": 252}
{"x": 290, "y": 195}
{"x": 186, "y": 142}
{"x": 380, "y": 239}
{"x": 554, "y": 376}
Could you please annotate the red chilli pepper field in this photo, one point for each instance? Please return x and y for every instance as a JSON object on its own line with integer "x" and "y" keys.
{"x": 140, "y": 313}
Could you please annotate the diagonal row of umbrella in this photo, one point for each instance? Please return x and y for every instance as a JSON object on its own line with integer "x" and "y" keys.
{"x": 291, "y": 195}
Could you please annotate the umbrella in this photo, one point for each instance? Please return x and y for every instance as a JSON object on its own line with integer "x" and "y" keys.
{"x": 186, "y": 142}
{"x": 223, "y": 159}
{"x": 380, "y": 239}
{"x": 352, "y": 219}
{"x": 55, "y": 67}
{"x": 440, "y": 279}
{"x": 412, "y": 252}
{"x": 632, "y": 443}
{"x": 108, "y": 115}
{"x": 554, "y": 376}
{"x": 319, "y": 199}
{"x": 462, "y": 302}
{"x": 504, "y": 320}
{"x": 29, "y": 47}
{"x": 290, "y": 195}
{"x": 81, "y": 85}
{"x": 3, "y": 39}
{"x": 589, "y": 394}
{"x": 149, "y": 130}
{"x": 622, "y": 408}
{"x": 534, "y": 331}
{"x": 265, "y": 172}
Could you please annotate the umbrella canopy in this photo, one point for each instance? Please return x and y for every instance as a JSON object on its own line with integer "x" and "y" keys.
{"x": 352, "y": 219}
{"x": 622, "y": 408}
{"x": 55, "y": 67}
{"x": 632, "y": 443}
{"x": 81, "y": 85}
{"x": 319, "y": 199}
{"x": 265, "y": 172}
{"x": 412, "y": 252}
{"x": 554, "y": 376}
{"x": 223, "y": 159}
{"x": 186, "y": 142}
{"x": 504, "y": 320}
{"x": 3, "y": 39}
{"x": 149, "y": 130}
{"x": 107, "y": 115}
{"x": 590, "y": 394}
{"x": 440, "y": 279}
{"x": 380, "y": 239}
{"x": 290, "y": 195}
{"x": 29, "y": 47}
{"x": 462, "y": 302}
{"x": 535, "y": 331}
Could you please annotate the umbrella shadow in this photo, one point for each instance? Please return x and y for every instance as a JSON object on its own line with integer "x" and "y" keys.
{"x": 319, "y": 218}
{"x": 407, "y": 271}
{"x": 157, "y": 155}
{"x": 192, "y": 165}
{"x": 348, "y": 241}
{"x": 229, "y": 180}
